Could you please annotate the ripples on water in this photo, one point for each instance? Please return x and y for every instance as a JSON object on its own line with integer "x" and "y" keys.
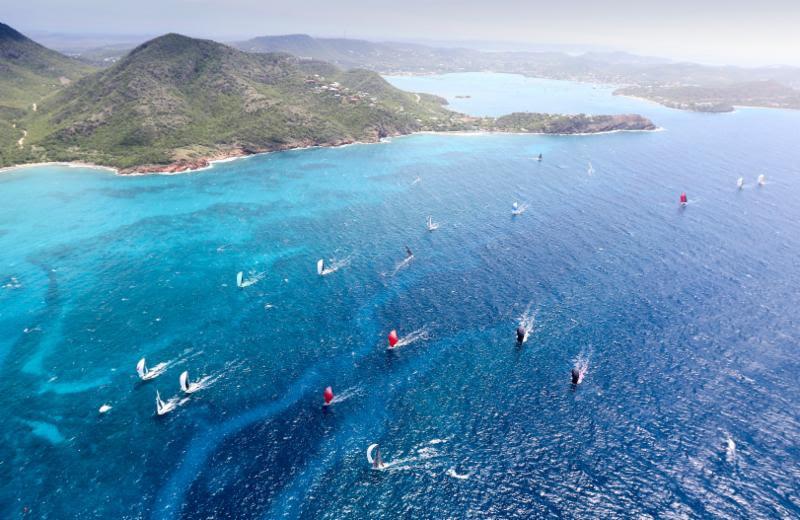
{"x": 687, "y": 318}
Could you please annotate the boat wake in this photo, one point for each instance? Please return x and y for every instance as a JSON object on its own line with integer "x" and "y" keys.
{"x": 582, "y": 365}
{"x": 412, "y": 337}
{"x": 460, "y": 476}
{"x": 346, "y": 394}
{"x": 165, "y": 407}
{"x": 527, "y": 321}
{"x": 147, "y": 374}
{"x": 332, "y": 267}
{"x": 253, "y": 278}
{"x": 730, "y": 449}
{"x": 190, "y": 387}
{"x": 421, "y": 459}
{"x": 403, "y": 264}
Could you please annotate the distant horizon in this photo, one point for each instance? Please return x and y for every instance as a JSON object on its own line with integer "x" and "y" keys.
{"x": 106, "y": 39}
{"x": 719, "y": 32}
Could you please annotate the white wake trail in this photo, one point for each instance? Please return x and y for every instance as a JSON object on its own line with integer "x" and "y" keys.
{"x": 582, "y": 364}
{"x": 527, "y": 321}
{"x": 420, "y": 334}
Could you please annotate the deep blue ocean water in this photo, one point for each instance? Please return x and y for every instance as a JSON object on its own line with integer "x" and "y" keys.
{"x": 687, "y": 319}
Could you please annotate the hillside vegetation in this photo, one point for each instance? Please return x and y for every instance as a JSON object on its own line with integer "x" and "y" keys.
{"x": 29, "y": 71}
{"x": 688, "y": 86}
{"x": 177, "y": 99}
{"x": 175, "y": 103}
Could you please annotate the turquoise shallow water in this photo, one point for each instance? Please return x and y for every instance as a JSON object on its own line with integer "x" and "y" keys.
{"x": 686, "y": 318}
{"x": 495, "y": 94}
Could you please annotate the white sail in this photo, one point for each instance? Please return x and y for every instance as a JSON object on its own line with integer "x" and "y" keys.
{"x": 164, "y": 407}
{"x": 730, "y": 449}
{"x": 740, "y": 183}
{"x": 320, "y": 266}
{"x": 432, "y": 226}
{"x": 762, "y": 180}
{"x": 146, "y": 374}
{"x": 190, "y": 387}
{"x": 590, "y": 171}
{"x": 252, "y": 278}
{"x": 141, "y": 369}
{"x": 369, "y": 453}
{"x": 160, "y": 405}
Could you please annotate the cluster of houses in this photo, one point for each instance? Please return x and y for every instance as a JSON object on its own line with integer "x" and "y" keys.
{"x": 337, "y": 90}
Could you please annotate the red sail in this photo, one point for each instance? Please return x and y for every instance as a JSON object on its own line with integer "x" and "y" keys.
{"x": 684, "y": 199}
{"x": 328, "y": 395}
{"x": 393, "y": 339}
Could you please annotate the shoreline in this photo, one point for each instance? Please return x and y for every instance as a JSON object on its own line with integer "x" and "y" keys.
{"x": 611, "y": 86}
{"x": 70, "y": 164}
{"x": 466, "y": 133}
{"x": 237, "y": 155}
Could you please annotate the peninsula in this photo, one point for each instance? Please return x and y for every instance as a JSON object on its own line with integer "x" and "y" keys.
{"x": 175, "y": 103}
{"x": 685, "y": 86}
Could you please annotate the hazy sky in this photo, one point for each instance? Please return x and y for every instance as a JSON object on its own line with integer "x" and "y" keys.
{"x": 723, "y": 31}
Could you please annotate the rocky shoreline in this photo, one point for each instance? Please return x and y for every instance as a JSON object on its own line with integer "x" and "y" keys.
{"x": 540, "y": 124}
{"x": 201, "y": 163}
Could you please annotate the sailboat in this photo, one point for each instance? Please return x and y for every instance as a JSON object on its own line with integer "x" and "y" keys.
{"x": 762, "y": 180}
{"x": 518, "y": 209}
{"x": 146, "y": 374}
{"x": 376, "y": 462}
{"x": 539, "y": 158}
{"x": 740, "y": 183}
{"x": 190, "y": 387}
{"x": 241, "y": 283}
{"x": 684, "y": 199}
{"x": 432, "y": 226}
{"x": 590, "y": 170}
{"x": 324, "y": 269}
{"x": 164, "y": 407}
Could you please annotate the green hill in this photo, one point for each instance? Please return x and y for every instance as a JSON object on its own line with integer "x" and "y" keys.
{"x": 174, "y": 103}
{"x": 680, "y": 85}
{"x": 29, "y": 71}
{"x": 176, "y": 99}
{"x": 381, "y": 57}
